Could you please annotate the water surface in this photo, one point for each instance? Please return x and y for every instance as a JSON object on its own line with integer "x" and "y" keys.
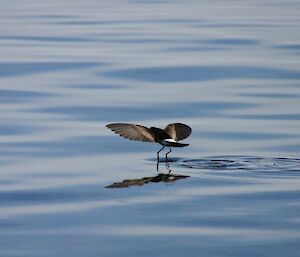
{"x": 229, "y": 69}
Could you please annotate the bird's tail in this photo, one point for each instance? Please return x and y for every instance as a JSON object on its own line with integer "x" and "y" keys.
{"x": 176, "y": 144}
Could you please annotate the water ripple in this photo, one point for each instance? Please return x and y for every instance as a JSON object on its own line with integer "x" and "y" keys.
{"x": 203, "y": 73}
{"x": 249, "y": 164}
{"x": 27, "y": 68}
{"x": 146, "y": 112}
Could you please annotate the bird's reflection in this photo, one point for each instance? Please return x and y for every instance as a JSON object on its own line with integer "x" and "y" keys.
{"x": 160, "y": 177}
{"x": 167, "y": 166}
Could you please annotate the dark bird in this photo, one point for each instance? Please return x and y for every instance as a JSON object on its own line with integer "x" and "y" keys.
{"x": 169, "y": 136}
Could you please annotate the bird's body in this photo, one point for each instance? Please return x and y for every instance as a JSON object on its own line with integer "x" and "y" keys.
{"x": 169, "y": 136}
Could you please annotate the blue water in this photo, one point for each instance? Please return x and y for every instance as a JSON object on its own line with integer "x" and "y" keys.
{"x": 229, "y": 69}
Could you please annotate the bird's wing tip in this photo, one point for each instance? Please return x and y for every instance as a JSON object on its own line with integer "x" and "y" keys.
{"x": 109, "y": 125}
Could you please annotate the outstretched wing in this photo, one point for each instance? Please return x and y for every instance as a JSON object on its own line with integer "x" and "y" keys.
{"x": 132, "y": 131}
{"x": 178, "y": 131}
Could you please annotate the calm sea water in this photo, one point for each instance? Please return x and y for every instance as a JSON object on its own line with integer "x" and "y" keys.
{"x": 229, "y": 69}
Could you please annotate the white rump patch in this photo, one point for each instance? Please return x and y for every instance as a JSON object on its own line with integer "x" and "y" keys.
{"x": 167, "y": 142}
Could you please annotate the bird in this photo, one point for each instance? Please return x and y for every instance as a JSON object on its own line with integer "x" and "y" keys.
{"x": 169, "y": 136}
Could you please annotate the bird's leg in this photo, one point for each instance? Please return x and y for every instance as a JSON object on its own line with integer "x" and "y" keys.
{"x": 158, "y": 154}
{"x": 168, "y": 153}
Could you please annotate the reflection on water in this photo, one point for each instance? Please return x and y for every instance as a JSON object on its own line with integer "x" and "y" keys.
{"x": 256, "y": 165}
{"x": 229, "y": 69}
{"x": 167, "y": 178}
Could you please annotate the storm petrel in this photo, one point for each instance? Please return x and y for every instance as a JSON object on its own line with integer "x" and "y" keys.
{"x": 169, "y": 136}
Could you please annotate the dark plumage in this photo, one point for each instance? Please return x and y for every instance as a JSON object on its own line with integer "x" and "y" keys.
{"x": 169, "y": 136}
